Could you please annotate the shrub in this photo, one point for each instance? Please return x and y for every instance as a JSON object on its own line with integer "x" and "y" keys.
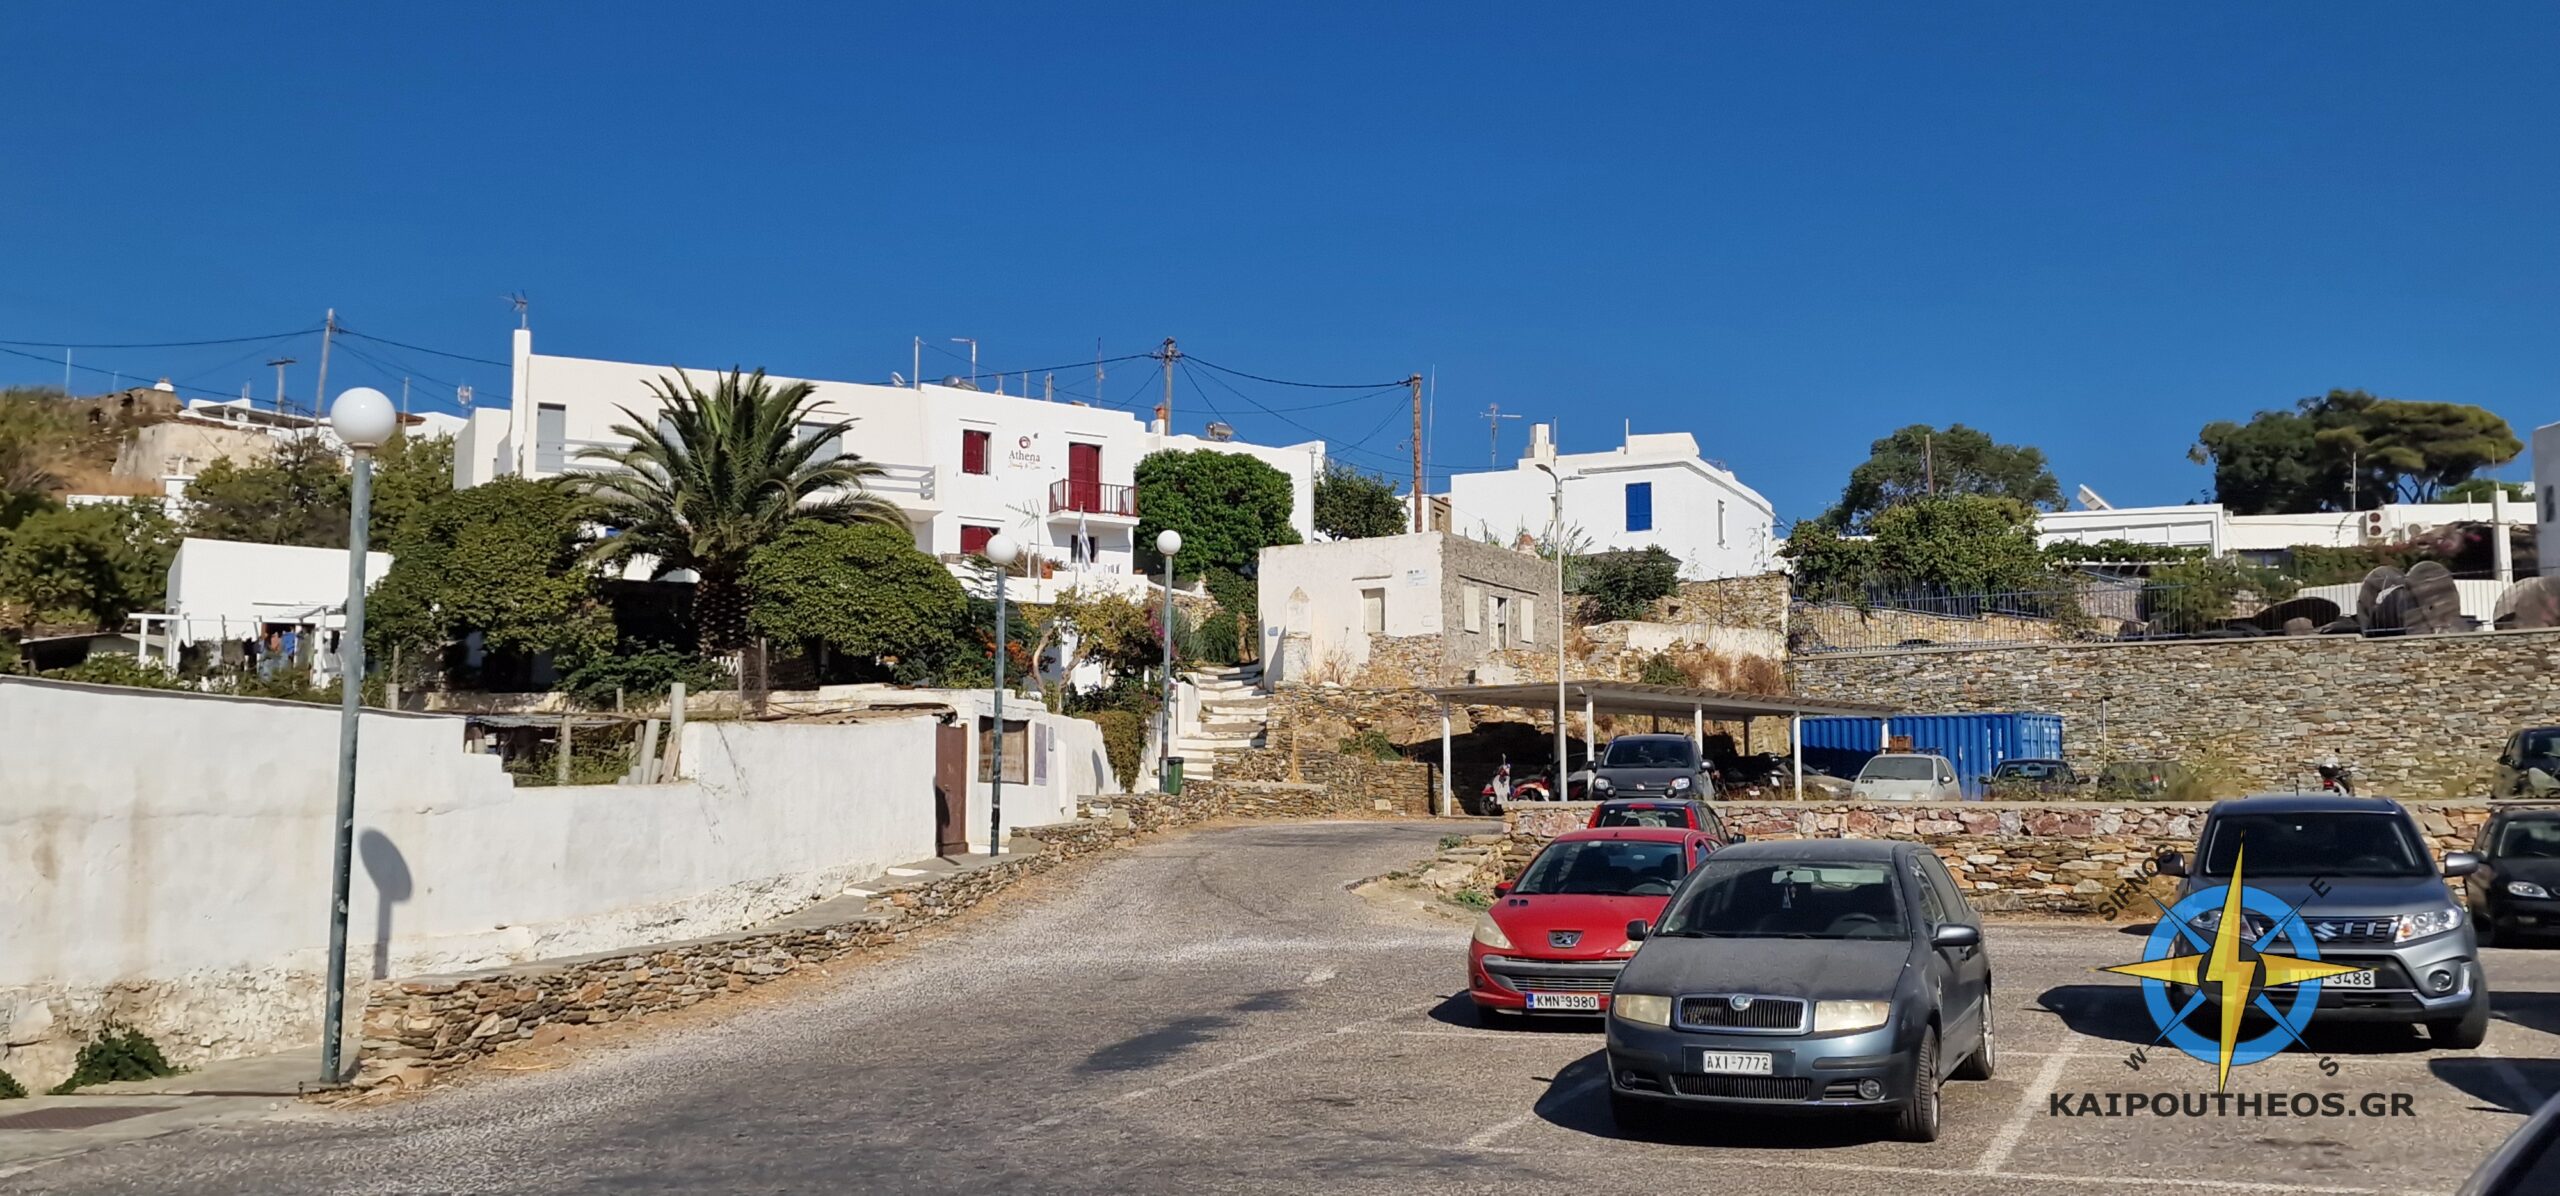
{"x": 10, "y": 1088}
{"x": 1659, "y": 669}
{"x": 1124, "y": 741}
{"x": 119, "y": 669}
{"x": 1371, "y": 742}
{"x": 118, "y": 1053}
{"x": 641, "y": 672}
{"x": 1625, "y": 585}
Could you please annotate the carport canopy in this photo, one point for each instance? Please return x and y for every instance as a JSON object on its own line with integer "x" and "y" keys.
{"x": 1634, "y": 697}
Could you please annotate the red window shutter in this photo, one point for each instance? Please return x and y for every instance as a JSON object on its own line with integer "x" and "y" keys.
{"x": 973, "y": 538}
{"x": 973, "y": 451}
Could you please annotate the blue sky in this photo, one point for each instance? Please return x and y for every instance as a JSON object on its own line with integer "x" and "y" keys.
{"x": 1786, "y": 228}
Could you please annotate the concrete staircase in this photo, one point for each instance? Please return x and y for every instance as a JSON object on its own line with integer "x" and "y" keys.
{"x": 1234, "y": 716}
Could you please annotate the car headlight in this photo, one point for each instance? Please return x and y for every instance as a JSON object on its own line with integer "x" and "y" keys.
{"x": 1489, "y": 932}
{"x": 2526, "y": 888}
{"x": 1833, "y": 1016}
{"x": 2418, "y": 926}
{"x": 2211, "y": 920}
{"x": 1644, "y": 1009}
{"x": 1679, "y": 783}
{"x": 1602, "y": 784}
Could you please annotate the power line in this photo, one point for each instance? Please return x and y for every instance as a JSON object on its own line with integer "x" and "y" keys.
{"x": 1285, "y": 382}
{"x": 228, "y": 340}
{"x": 346, "y": 331}
{"x": 137, "y": 377}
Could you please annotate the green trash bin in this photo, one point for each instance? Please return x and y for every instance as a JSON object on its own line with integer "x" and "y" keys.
{"x": 1171, "y": 781}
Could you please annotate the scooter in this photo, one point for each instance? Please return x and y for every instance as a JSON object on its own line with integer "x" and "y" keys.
{"x": 2336, "y": 777}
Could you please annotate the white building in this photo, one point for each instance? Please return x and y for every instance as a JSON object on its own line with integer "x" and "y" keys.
{"x": 287, "y": 601}
{"x": 961, "y": 464}
{"x": 1653, "y": 490}
{"x": 2263, "y": 538}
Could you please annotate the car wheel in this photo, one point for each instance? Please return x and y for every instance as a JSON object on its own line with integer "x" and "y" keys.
{"x": 1917, "y": 1119}
{"x": 1980, "y": 1064}
{"x": 2462, "y": 1033}
{"x": 1496, "y": 1019}
{"x": 1635, "y": 1117}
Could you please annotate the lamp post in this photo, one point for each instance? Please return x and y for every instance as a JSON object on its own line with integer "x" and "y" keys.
{"x": 1555, "y": 544}
{"x": 364, "y": 419}
{"x": 1003, "y": 551}
{"x": 1168, "y": 542}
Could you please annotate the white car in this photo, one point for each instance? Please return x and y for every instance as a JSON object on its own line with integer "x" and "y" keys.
{"x": 1907, "y": 776}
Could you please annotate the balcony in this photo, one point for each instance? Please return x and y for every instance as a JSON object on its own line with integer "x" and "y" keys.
{"x": 1092, "y": 500}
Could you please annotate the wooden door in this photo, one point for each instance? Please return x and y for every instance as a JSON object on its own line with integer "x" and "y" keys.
{"x": 1084, "y": 477}
{"x": 951, "y": 789}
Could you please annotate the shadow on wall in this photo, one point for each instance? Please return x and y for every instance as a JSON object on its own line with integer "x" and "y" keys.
{"x": 392, "y": 885}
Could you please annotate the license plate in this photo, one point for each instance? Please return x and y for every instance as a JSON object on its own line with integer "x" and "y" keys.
{"x": 2351, "y": 980}
{"x": 1734, "y": 1063}
{"x": 1566, "y": 1002}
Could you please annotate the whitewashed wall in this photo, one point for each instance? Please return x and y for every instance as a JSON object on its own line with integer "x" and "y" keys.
{"x": 164, "y": 857}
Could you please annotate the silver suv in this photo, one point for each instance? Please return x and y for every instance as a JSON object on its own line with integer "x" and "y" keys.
{"x": 2359, "y": 873}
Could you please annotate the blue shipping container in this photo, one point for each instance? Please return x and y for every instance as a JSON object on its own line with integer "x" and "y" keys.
{"x": 1974, "y": 743}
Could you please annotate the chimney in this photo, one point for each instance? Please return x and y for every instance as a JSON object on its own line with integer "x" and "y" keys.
{"x": 1542, "y": 443}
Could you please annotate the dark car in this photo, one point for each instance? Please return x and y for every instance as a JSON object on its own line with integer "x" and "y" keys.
{"x": 1652, "y": 766}
{"x": 2029, "y": 779}
{"x": 2361, "y": 876}
{"x": 2528, "y": 765}
{"x": 1822, "y": 974}
{"x": 2516, "y": 890}
{"x": 1685, "y": 813}
{"x": 2527, "y": 1163}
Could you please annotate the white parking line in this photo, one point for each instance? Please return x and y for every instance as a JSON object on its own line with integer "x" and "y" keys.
{"x": 2029, "y": 1102}
{"x": 1486, "y": 1136}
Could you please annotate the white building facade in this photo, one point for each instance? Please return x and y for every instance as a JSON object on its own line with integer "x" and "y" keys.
{"x": 1654, "y": 489}
{"x": 2263, "y": 538}
{"x": 961, "y": 464}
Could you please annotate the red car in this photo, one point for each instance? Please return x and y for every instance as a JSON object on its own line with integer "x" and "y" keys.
{"x": 1555, "y": 939}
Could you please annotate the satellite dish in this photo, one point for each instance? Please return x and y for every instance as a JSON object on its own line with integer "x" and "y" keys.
{"x": 2436, "y": 602}
{"x": 2530, "y": 604}
{"x": 2382, "y": 578}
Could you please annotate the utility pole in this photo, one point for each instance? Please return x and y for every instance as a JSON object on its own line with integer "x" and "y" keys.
{"x": 1048, "y": 387}
{"x": 404, "y": 399}
{"x": 1164, "y": 411}
{"x": 280, "y": 363}
{"x": 1493, "y": 415}
{"x": 1414, "y": 383}
{"x": 320, "y": 396}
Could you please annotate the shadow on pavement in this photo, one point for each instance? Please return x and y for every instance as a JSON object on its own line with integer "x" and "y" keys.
{"x": 1577, "y": 1099}
{"x": 2115, "y": 1013}
{"x": 1155, "y": 1047}
{"x": 1460, "y": 1010}
{"x": 2531, "y": 1010}
{"x": 2495, "y": 1083}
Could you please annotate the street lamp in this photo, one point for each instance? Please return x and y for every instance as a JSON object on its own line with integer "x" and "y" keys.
{"x": 1168, "y": 543}
{"x": 364, "y": 419}
{"x": 1003, "y": 551}
{"x": 1555, "y": 544}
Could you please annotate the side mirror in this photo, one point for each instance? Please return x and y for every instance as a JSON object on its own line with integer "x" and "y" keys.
{"x": 2460, "y": 863}
{"x": 1637, "y": 929}
{"x": 2172, "y": 864}
{"x": 1954, "y": 935}
{"x": 1502, "y": 890}
{"x": 1735, "y": 837}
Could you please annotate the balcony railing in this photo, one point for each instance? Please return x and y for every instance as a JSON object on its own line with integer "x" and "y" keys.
{"x": 1093, "y": 498}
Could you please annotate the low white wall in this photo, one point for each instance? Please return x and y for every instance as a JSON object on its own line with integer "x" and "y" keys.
{"x": 164, "y": 857}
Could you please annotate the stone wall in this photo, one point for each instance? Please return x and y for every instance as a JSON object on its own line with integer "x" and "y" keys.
{"x": 2419, "y": 717}
{"x": 1344, "y": 783}
{"x": 1839, "y": 626}
{"x": 1747, "y": 603}
{"x": 2010, "y": 856}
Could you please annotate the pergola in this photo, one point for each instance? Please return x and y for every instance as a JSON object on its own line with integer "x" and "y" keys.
{"x": 1631, "y": 697}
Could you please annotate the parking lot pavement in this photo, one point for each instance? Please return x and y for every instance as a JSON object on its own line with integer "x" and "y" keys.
{"x": 1214, "y": 1012}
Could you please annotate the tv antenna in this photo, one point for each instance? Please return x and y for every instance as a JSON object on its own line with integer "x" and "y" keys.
{"x": 516, "y": 300}
{"x": 1493, "y": 415}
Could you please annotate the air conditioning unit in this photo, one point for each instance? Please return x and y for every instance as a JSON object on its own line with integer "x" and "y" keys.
{"x": 2373, "y": 525}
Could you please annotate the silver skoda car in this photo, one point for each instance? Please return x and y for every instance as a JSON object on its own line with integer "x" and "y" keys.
{"x": 1821, "y": 974}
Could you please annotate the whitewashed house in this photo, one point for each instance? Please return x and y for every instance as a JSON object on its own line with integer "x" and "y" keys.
{"x": 962, "y": 464}
{"x": 1652, "y": 490}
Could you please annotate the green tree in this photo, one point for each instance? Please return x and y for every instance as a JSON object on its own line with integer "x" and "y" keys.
{"x": 298, "y": 496}
{"x": 1827, "y": 566}
{"x": 92, "y": 565}
{"x": 2479, "y": 489}
{"x": 1971, "y": 544}
{"x": 1109, "y": 629}
{"x": 719, "y": 475}
{"x": 507, "y": 559}
{"x": 1352, "y": 504}
{"x": 2195, "y": 595}
{"x": 40, "y": 437}
{"x": 2348, "y": 450}
{"x": 863, "y": 590}
{"x": 409, "y": 474}
{"x": 1920, "y": 462}
{"x": 1624, "y": 585}
{"x": 1228, "y": 507}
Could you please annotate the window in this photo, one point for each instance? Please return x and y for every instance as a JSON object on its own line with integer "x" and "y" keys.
{"x": 1648, "y": 751}
{"x": 1719, "y": 523}
{"x": 1373, "y": 611}
{"x": 1472, "y": 599}
{"x": 1764, "y": 898}
{"x": 973, "y": 450}
{"x": 1639, "y": 506}
{"x": 1501, "y": 621}
{"x": 550, "y": 437}
{"x": 1931, "y": 908}
{"x": 830, "y": 450}
{"x": 1604, "y": 868}
{"x": 1082, "y": 550}
{"x": 1528, "y": 620}
{"x": 2311, "y": 844}
{"x": 2550, "y": 505}
{"x": 1017, "y": 749}
{"x": 974, "y": 537}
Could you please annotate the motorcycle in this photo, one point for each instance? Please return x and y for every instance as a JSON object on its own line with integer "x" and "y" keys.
{"x": 2336, "y": 777}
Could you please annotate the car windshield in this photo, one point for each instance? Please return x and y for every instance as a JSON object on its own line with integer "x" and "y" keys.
{"x": 2316, "y": 844}
{"x": 1603, "y": 870}
{"x": 1810, "y": 899}
{"x": 2528, "y": 839}
{"x": 2032, "y": 770}
{"x": 1642, "y": 816}
{"x": 1648, "y": 753}
{"x": 1899, "y": 768}
{"x": 2542, "y": 742}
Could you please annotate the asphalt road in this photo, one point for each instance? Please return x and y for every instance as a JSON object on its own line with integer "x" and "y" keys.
{"x": 1214, "y": 1012}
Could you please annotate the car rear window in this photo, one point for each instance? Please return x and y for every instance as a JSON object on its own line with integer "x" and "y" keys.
{"x": 1641, "y": 816}
{"x": 1603, "y": 869}
{"x": 2315, "y": 844}
{"x": 1899, "y": 768}
{"x": 1648, "y": 753}
{"x": 1788, "y": 899}
{"x": 2031, "y": 770}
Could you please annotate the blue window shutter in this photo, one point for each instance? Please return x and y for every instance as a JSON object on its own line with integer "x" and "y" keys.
{"x": 1639, "y": 506}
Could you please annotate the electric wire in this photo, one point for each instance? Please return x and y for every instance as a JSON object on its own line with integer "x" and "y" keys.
{"x": 228, "y": 340}
{"x": 1286, "y": 382}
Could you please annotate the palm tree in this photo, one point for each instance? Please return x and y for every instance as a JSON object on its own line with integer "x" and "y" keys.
{"x": 717, "y": 476}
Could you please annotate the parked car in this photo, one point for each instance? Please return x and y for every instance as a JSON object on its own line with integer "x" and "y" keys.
{"x": 2527, "y": 1163}
{"x": 1907, "y": 776}
{"x": 2529, "y": 764}
{"x": 1837, "y": 974}
{"x": 2358, "y": 871}
{"x": 1652, "y": 765}
{"x": 1554, "y": 939}
{"x": 2029, "y": 779}
{"x": 2516, "y": 891}
{"x": 1682, "y": 813}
